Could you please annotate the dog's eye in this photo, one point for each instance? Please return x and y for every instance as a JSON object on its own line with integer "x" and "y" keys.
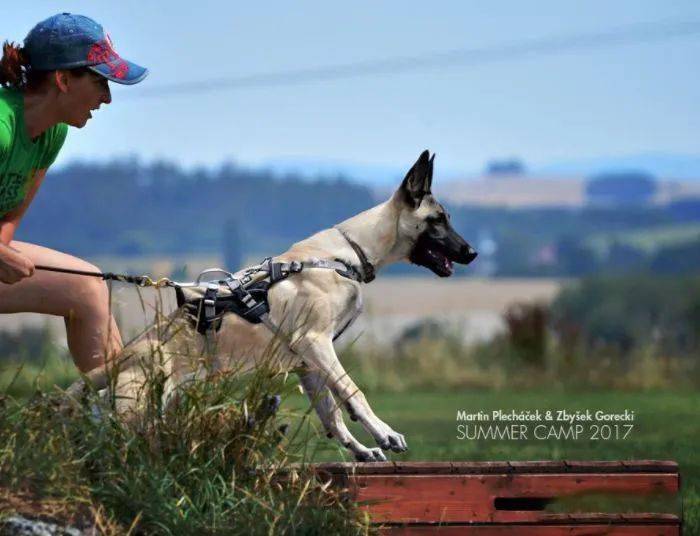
{"x": 438, "y": 219}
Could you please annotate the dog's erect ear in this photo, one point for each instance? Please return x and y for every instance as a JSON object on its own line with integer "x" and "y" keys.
{"x": 430, "y": 173}
{"x": 418, "y": 180}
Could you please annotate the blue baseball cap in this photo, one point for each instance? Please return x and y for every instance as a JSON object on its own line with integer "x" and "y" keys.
{"x": 67, "y": 41}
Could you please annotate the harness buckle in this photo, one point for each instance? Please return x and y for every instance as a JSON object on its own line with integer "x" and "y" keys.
{"x": 207, "y": 312}
{"x": 275, "y": 271}
{"x": 233, "y": 284}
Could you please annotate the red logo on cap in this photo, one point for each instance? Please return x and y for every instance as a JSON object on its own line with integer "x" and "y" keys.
{"x": 102, "y": 52}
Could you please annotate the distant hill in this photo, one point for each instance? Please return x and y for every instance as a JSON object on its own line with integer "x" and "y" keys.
{"x": 133, "y": 210}
{"x": 519, "y": 191}
{"x": 666, "y": 166}
{"x": 541, "y": 191}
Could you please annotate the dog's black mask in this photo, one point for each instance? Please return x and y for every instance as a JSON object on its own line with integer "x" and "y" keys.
{"x": 439, "y": 247}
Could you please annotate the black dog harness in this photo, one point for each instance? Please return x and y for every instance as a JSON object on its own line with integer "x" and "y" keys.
{"x": 246, "y": 293}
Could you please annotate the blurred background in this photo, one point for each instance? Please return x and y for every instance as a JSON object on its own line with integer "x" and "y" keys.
{"x": 567, "y": 153}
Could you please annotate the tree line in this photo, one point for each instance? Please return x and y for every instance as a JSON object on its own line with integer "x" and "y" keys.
{"x": 129, "y": 208}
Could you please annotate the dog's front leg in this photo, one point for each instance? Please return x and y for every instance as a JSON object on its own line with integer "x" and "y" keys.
{"x": 319, "y": 354}
{"x": 331, "y": 416}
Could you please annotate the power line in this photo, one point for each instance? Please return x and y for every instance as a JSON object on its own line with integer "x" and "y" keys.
{"x": 637, "y": 33}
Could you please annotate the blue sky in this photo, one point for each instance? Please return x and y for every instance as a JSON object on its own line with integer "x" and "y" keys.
{"x": 621, "y": 100}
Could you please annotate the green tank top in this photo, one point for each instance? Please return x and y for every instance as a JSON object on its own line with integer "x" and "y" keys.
{"x": 21, "y": 157}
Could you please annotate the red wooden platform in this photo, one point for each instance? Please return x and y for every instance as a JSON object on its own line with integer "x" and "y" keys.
{"x": 495, "y": 498}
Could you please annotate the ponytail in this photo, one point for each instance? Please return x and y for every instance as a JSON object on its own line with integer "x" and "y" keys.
{"x": 14, "y": 66}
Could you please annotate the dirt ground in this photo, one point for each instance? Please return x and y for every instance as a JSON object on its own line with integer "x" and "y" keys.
{"x": 428, "y": 296}
{"x": 470, "y": 308}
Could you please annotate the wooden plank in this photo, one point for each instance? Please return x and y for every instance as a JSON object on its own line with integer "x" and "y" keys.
{"x": 471, "y": 498}
{"x": 439, "y": 468}
{"x": 557, "y": 524}
{"x": 530, "y": 530}
{"x": 600, "y": 518}
{"x": 464, "y": 494}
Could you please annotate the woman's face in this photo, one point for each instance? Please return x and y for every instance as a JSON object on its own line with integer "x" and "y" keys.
{"x": 81, "y": 95}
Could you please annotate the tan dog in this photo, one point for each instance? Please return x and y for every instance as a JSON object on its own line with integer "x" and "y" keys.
{"x": 310, "y": 308}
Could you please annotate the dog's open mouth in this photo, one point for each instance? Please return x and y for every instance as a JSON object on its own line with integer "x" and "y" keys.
{"x": 433, "y": 259}
{"x": 442, "y": 266}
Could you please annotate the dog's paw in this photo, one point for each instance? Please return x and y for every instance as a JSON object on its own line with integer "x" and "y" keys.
{"x": 370, "y": 455}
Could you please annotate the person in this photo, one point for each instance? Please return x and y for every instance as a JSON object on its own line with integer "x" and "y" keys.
{"x": 57, "y": 79}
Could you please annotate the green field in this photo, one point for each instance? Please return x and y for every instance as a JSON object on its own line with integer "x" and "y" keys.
{"x": 666, "y": 427}
{"x": 647, "y": 240}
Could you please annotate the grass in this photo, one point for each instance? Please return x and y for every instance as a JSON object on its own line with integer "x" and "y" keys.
{"x": 189, "y": 471}
{"x": 446, "y": 363}
{"x": 209, "y": 465}
{"x": 20, "y": 380}
{"x": 647, "y": 240}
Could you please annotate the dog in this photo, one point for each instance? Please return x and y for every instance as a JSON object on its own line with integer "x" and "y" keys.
{"x": 310, "y": 309}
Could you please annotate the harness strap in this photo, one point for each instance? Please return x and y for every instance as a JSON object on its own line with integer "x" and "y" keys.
{"x": 281, "y": 270}
{"x": 367, "y": 267}
{"x": 208, "y": 307}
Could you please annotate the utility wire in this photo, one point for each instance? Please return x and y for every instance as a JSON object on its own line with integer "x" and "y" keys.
{"x": 637, "y": 33}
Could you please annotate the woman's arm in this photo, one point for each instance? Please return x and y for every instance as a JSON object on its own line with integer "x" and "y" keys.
{"x": 10, "y": 221}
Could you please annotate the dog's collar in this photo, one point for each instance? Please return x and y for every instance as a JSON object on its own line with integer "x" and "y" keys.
{"x": 367, "y": 268}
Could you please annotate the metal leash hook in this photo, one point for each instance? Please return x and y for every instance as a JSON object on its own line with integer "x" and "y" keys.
{"x": 140, "y": 280}
{"x": 146, "y": 281}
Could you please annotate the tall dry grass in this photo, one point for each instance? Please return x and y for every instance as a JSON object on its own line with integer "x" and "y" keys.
{"x": 514, "y": 361}
{"x": 223, "y": 459}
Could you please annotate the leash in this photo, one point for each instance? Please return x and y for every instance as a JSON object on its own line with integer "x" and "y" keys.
{"x": 249, "y": 276}
{"x": 140, "y": 280}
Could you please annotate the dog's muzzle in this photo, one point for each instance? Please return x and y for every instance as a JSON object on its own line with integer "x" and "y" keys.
{"x": 466, "y": 255}
{"x": 440, "y": 257}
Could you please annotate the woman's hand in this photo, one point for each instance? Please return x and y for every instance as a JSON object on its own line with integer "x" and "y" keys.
{"x": 13, "y": 265}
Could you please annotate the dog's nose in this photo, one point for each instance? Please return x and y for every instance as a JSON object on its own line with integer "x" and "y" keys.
{"x": 468, "y": 254}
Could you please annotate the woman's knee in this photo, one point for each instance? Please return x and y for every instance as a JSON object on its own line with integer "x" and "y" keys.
{"x": 90, "y": 295}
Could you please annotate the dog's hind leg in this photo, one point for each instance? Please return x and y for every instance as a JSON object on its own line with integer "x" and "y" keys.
{"x": 331, "y": 416}
{"x": 319, "y": 354}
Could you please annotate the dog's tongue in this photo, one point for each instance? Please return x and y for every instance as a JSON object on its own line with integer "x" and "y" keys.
{"x": 449, "y": 265}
